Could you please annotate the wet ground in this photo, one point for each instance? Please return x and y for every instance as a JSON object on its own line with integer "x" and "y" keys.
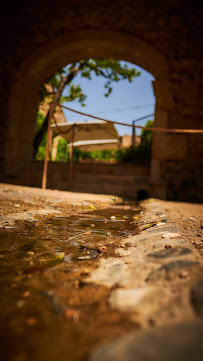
{"x": 49, "y": 311}
{"x": 77, "y": 271}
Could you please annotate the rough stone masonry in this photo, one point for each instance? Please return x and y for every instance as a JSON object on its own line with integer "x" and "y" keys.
{"x": 164, "y": 39}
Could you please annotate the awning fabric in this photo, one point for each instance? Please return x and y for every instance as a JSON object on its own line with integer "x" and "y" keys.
{"x": 87, "y": 130}
{"x": 102, "y": 144}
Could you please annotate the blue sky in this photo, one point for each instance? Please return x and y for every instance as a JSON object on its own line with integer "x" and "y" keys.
{"x": 138, "y": 94}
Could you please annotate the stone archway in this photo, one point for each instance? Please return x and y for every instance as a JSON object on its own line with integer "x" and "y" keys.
{"x": 41, "y": 37}
{"x": 46, "y": 60}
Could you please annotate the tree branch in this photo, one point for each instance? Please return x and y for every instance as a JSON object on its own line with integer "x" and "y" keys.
{"x": 94, "y": 68}
{"x": 64, "y": 81}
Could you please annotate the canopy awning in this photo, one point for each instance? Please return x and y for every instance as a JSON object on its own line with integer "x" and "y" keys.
{"x": 102, "y": 144}
{"x": 87, "y": 130}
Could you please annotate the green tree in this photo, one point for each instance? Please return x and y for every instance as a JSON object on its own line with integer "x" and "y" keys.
{"x": 146, "y": 135}
{"x": 142, "y": 151}
{"x": 41, "y": 149}
{"x": 62, "y": 150}
{"x": 64, "y": 91}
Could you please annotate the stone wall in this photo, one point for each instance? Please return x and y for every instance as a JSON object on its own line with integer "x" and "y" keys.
{"x": 164, "y": 38}
{"x": 115, "y": 179}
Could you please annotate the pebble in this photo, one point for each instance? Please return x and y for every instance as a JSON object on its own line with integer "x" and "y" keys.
{"x": 128, "y": 261}
{"x": 72, "y": 314}
{"x": 127, "y": 299}
{"x": 183, "y": 274}
{"x": 110, "y": 271}
{"x": 170, "y": 235}
{"x": 197, "y": 232}
{"x": 198, "y": 243}
{"x": 9, "y": 228}
{"x": 85, "y": 272}
{"x": 102, "y": 249}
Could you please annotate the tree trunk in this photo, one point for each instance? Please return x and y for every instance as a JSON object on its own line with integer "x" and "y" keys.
{"x": 64, "y": 81}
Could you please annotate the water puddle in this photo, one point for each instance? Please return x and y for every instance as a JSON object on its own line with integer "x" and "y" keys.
{"x": 43, "y": 266}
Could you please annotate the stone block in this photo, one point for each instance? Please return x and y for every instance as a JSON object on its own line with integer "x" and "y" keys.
{"x": 162, "y": 272}
{"x": 197, "y": 297}
{"x": 182, "y": 342}
{"x": 155, "y": 171}
{"x": 127, "y": 299}
{"x": 161, "y": 119}
{"x": 170, "y": 147}
{"x": 158, "y": 190}
{"x": 169, "y": 252}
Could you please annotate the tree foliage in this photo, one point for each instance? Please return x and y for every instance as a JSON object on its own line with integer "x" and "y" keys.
{"x": 140, "y": 152}
{"x": 110, "y": 69}
{"x": 42, "y": 147}
{"x": 62, "y": 151}
{"x": 63, "y": 91}
{"x": 146, "y": 135}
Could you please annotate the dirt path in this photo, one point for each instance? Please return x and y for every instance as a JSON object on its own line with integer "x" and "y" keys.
{"x": 81, "y": 270}
{"x": 189, "y": 217}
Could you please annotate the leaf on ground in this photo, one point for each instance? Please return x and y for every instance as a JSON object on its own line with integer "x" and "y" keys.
{"x": 149, "y": 226}
{"x": 118, "y": 216}
{"x": 92, "y": 207}
{"x": 59, "y": 258}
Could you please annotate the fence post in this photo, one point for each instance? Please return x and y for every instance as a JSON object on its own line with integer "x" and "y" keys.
{"x": 74, "y": 130}
{"x": 44, "y": 176}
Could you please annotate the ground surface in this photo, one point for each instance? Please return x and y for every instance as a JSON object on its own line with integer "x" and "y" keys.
{"x": 79, "y": 271}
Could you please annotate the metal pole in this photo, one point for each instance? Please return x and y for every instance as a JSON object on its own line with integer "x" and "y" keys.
{"x": 44, "y": 176}
{"x": 133, "y": 135}
{"x": 134, "y": 129}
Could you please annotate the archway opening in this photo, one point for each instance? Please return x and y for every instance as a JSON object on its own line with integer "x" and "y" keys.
{"x": 129, "y": 102}
{"x": 34, "y": 71}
